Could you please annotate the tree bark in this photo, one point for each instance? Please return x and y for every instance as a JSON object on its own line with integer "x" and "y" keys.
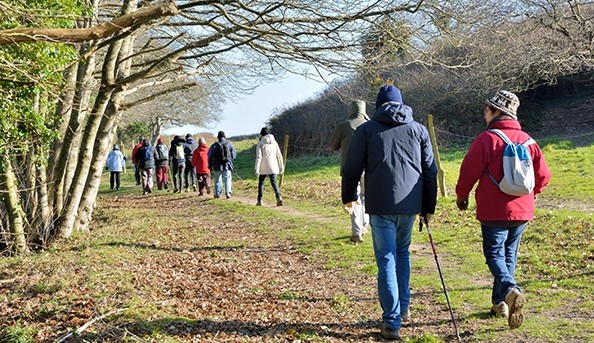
{"x": 16, "y": 217}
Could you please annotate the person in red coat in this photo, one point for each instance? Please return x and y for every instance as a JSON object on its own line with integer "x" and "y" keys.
{"x": 503, "y": 217}
{"x": 200, "y": 163}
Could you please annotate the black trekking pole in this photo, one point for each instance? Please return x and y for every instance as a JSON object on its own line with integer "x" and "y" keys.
{"x": 440, "y": 274}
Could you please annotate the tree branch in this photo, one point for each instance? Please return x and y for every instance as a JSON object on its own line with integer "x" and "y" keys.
{"x": 106, "y": 29}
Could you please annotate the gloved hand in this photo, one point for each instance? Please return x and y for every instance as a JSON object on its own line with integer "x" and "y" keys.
{"x": 427, "y": 218}
{"x": 462, "y": 204}
{"x": 348, "y": 207}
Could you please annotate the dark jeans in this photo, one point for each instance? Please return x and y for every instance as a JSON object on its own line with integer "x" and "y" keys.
{"x": 261, "y": 179}
{"x": 177, "y": 170}
{"x": 137, "y": 172}
{"x": 500, "y": 247}
{"x": 114, "y": 177}
{"x": 190, "y": 173}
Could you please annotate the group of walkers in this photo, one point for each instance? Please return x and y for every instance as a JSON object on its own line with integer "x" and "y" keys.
{"x": 194, "y": 165}
{"x": 389, "y": 177}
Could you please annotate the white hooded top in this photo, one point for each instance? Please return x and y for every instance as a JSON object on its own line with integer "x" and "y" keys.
{"x": 269, "y": 159}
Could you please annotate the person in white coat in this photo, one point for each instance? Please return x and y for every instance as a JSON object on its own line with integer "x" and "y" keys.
{"x": 269, "y": 162}
{"x": 115, "y": 164}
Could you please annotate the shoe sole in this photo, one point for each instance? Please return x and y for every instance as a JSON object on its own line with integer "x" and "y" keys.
{"x": 516, "y": 316}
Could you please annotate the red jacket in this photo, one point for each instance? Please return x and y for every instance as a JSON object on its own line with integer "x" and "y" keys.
{"x": 200, "y": 159}
{"x": 134, "y": 151}
{"x": 486, "y": 151}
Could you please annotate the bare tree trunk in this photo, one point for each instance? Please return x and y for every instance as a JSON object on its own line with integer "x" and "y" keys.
{"x": 16, "y": 217}
{"x": 65, "y": 223}
{"x": 63, "y": 170}
{"x": 107, "y": 127}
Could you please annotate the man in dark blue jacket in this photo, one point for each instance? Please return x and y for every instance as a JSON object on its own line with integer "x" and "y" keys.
{"x": 401, "y": 181}
{"x": 146, "y": 162}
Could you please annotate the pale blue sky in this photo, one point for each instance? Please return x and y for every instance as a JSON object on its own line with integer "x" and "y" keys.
{"x": 251, "y": 112}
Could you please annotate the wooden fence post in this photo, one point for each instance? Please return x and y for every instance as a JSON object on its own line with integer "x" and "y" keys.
{"x": 440, "y": 172}
{"x": 285, "y": 149}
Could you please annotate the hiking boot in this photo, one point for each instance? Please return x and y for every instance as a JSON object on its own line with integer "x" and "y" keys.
{"x": 389, "y": 334}
{"x": 143, "y": 192}
{"x": 216, "y": 196}
{"x": 279, "y": 202}
{"x": 165, "y": 185}
{"x": 194, "y": 188}
{"x": 356, "y": 239}
{"x": 175, "y": 190}
{"x": 259, "y": 203}
{"x": 405, "y": 316}
{"x": 515, "y": 300}
{"x": 228, "y": 195}
{"x": 500, "y": 310}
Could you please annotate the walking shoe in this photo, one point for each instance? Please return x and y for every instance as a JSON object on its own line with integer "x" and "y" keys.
{"x": 143, "y": 192}
{"x": 389, "y": 334}
{"x": 405, "y": 316}
{"x": 194, "y": 188}
{"x": 259, "y": 203}
{"x": 500, "y": 310}
{"x": 175, "y": 190}
{"x": 207, "y": 190}
{"x": 279, "y": 202}
{"x": 228, "y": 195}
{"x": 356, "y": 239}
{"x": 515, "y": 300}
{"x": 216, "y": 196}
{"x": 165, "y": 185}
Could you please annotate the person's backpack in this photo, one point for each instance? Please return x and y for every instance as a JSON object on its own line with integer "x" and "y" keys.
{"x": 518, "y": 172}
{"x": 162, "y": 152}
{"x": 225, "y": 153}
{"x": 179, "y": 152}
{"x": 148, "y": 153}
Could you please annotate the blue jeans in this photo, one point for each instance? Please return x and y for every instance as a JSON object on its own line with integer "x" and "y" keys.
{"x": 220, "y": 177}
{"x": 500, "y": 247}
{"x": 391, "y": 241}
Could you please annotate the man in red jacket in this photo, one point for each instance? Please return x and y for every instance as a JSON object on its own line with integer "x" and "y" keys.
{"x": 137, "y": 169}
{"x": 503, "y": 217}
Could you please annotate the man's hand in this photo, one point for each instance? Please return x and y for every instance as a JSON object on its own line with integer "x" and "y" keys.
{"x": 426, "y": 218}
{"x": 348, "y": 207}
{"x": 462, "y": 204}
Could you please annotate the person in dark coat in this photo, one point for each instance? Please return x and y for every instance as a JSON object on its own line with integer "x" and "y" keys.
{"x": 189, "y": 172}
{"x": 146, "y": 162}
{"x": 177, "y": 159}
{"x": 162, "y": 164}
{"x": 221, "y": 168}
{"x": 395, "y": 153}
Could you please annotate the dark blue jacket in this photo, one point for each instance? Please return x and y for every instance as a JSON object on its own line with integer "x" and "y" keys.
{"x": 395, "y": 153}
{"x": 172, "y": 152}
{"x": 215, "y": 161}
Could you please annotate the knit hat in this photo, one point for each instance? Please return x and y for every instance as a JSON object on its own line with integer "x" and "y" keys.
{"x": 116, "y": 147}
{"x": 188, "y": 136}
{"x": 506, "y": 102}
{"x": 264, "y": 131}
{"x": 388, "y": 93}
{"x": 221, "y": 134}
{"x": 159, "y": 140}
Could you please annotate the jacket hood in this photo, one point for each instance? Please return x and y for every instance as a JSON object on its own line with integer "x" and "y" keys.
{"x": 268, "y": 139}
{"x": 178, "y": 141}
{"x": 357, "y": 108}
{"x": 393, "y": 114}
{"x": 202, "y": 148}
{"x": 190, "y": 140}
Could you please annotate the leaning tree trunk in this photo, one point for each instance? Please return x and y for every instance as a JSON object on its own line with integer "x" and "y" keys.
{"x": 65, "y": 224}
{"x": 63, "y": 170}
{"x": 108, "y": 126}
{"x": 16, "y": 216}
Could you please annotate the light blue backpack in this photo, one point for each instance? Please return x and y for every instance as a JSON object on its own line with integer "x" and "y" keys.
{"x": 518, "y": 171}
